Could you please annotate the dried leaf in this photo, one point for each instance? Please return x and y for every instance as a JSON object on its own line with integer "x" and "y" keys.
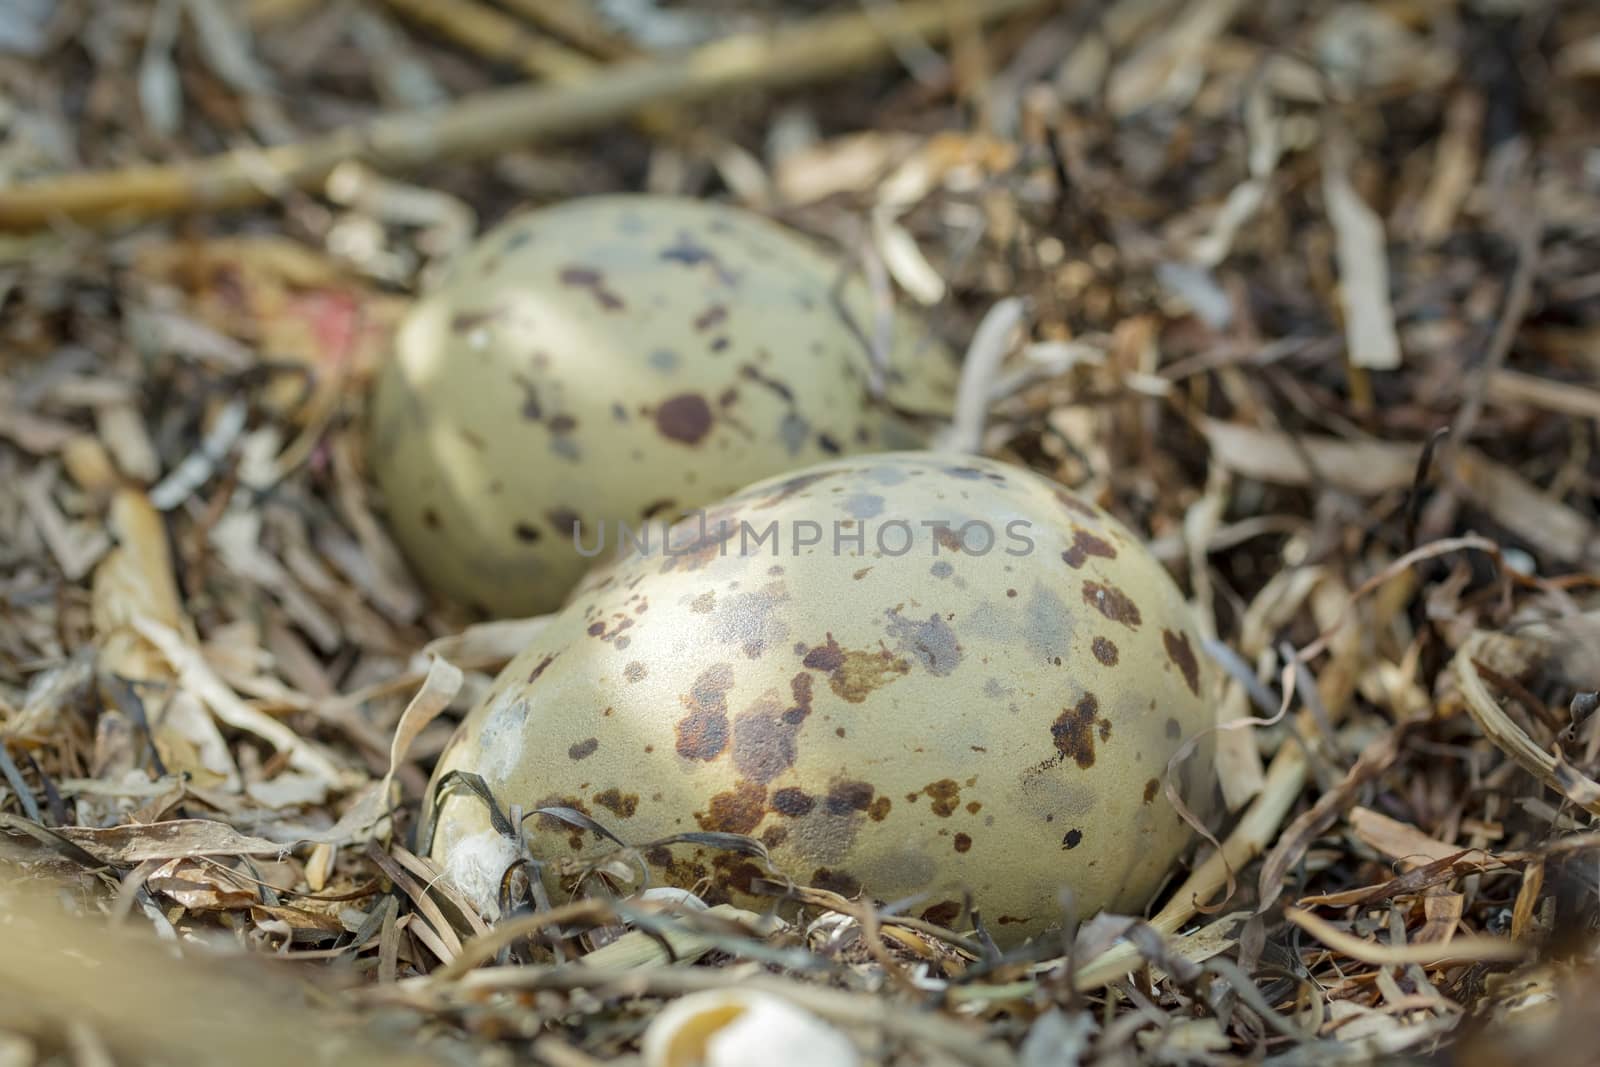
{"x": 1363, "y": 259}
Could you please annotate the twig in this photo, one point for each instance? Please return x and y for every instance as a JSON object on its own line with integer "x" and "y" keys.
{"x": 491, "y": 122}
{"x": 494, "y": 36}
{"x": 1467, "y": 949}
{"x": 501, "y": 39}
{"x": 576, "y": 21}
{"x": 1529, "y": 230}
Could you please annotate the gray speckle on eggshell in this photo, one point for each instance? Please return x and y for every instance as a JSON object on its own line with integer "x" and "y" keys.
{"x": 880, "y": 729}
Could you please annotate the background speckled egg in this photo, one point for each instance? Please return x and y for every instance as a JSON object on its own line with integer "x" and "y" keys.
{"x": 620, "y": 357}
{"x": 977, "y": 687}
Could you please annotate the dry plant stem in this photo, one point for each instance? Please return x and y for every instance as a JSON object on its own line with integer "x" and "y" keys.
{"x": 639, "y": 949}
{"x": 1511, "y": 739}
{"x": 491, "y": 122}
{"x": 575, "y": 21}
{"x": 1463, "y": 949}
{"x": 496, "y": 37}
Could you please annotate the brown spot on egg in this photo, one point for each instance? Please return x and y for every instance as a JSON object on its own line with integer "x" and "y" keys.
{"x": 947, "y": 537}
{"x": 845, "y": 797}
{"x": 1074, "y": 729}
{"x": 635, "y": 671}
{"x": 793, "y": 802}
{"x": 800, "y": 690}
{"x": 1113, "y": 603}
{"x": 621, "y": 804}
{"x": 1105, "y": 651}
{"x": 532, "y": 408}
{"x": 583, "y": 749}
{"x": 430, "y": 518}
{"x": 878, "y": 810}
{"x": 685, "y": 418}
{"x": 594, "y": 282}
{"x": 699, "y": 539}
{"x": 963, "y": 842}
{"x": 942, "y": 914}
{"x": 565, "y": 521}
{"x": 1180, "y": 652}
{"x": 540, "y": 667}
{"x": 552, "y": 824}
{"x": 467, "y": 321}
{"x": 1151, "y": 788}
{"x": 751, "y": 373}
{"x": 854, "y": 673}
{"x": 945, "y": 795}
{"x": 703, "y": 733}
{"x": 844, "y": 884}
{"x": 736, "y": 811}
{"x": 792, "y": 485}
{"x": 763, "y": 741}
{"x": 1084, "y": 545}
{"x": 711, "y": 316}
{"x": 1072, "y": 839}
{"x": 774, "y": 835}
{"x": 526, "y": 533}
{"x": 612, "y": 634}
{"x": 736, "y": 873}
{"x": 973, "y": 807}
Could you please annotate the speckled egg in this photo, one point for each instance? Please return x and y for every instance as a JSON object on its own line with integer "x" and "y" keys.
{"x": 618, "y": 358}
{"x": 904, "y": 674}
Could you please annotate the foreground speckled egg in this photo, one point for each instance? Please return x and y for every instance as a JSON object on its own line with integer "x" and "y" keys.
{"x": 903, "y": 674}
{"x": 619, "y": 357}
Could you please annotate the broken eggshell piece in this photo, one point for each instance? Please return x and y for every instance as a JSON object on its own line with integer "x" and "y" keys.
{"x": 968, "y": 679}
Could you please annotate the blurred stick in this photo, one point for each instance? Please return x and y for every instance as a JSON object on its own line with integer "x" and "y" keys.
{"x": 496, "y": 37}
{"x": 575, "y": 21}
{"x": 502, "y": 39}
{"x": 146, "y": 1003}
{"x": 492, "y": 122}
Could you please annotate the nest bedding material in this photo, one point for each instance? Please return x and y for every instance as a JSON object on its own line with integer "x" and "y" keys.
{"x": 1308, "y": 294}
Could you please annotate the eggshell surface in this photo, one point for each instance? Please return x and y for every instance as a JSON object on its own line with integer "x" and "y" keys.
{"x": 901, "y": 673}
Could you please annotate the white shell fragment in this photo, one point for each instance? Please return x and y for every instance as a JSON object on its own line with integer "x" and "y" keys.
{"x": 735, "y": 1028}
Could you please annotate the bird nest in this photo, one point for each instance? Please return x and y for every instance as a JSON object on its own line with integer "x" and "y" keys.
{"x": 1307, "y": 294}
